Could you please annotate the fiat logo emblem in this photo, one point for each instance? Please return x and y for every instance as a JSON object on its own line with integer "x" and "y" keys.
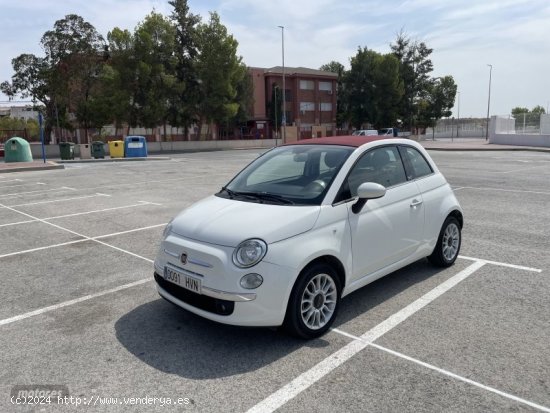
{"x": 184, "y": 258}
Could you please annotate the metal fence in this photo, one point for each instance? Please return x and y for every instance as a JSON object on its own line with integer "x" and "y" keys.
{"x": 520, "y": 124}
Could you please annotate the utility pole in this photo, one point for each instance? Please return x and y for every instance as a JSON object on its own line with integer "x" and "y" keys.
{"x": 489, "y": 100}
{"x": 283, "y": 117}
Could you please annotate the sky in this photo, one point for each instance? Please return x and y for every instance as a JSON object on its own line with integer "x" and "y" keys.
{"x": 465, "y": 35}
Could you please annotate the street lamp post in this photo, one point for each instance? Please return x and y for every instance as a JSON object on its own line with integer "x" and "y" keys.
{"x": 489, "y": 100}
{"x": 458, "y": 115}
{"x": 283, "y": 117}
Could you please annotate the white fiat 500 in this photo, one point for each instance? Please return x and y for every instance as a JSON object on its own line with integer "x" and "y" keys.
{"x": 304, "y": 225}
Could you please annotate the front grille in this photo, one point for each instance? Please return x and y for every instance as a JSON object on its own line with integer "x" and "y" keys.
{"x": 212, "y": 305}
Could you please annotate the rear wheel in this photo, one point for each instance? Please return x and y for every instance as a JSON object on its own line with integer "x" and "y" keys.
{"x": 313, "y": 303}
{"x": 448, "y": 244}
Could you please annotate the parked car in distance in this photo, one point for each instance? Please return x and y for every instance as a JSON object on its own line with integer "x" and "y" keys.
{"x": 304, "y": 225}
{"x": 365, "y": 132}
{"x": 387, "y": 132}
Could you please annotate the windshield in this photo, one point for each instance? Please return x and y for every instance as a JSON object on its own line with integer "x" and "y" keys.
{"x": 298, "y": 175}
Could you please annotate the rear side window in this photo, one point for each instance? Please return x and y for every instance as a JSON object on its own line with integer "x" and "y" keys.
{"x": 417, "y": 166}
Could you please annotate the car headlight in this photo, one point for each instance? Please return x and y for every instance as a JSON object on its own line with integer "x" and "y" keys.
{"x": 167, "y": 229}
{"x": 250, "y": 252}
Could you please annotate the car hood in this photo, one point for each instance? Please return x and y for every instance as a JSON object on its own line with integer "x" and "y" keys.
{"x": 228, "y": 222}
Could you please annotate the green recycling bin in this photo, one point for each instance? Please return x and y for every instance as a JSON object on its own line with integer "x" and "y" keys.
{"x": 66, "y": 150}
{"x": 17, "y": 150}
{"x": 98, "y": 150}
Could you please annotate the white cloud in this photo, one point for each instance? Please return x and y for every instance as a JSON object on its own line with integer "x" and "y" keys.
{"x": 465, "y": 35}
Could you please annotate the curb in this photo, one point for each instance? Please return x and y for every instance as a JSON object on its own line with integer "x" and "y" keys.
{"x": 149, "y": 158}
{"x": 32, "y": 168}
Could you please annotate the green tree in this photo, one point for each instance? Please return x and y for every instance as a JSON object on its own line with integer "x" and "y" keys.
{"x": 373, "y": 89}
{"x": 519, "y": 110}
{"x": 33, "y": 78}
{"x": 359, "y": 81}
{"x": 339, "y": 69}
{"x": 25, "y": 128}
{"x": 119, "y": 79}
{"x": 187, "y": 90}
{"x": 219, "y": 70}
{"x": 75, "y": 52}
{"x": 154, "y": 51}
{"x": 415, "y": 67}
{"x": 539, "y": 110}
{"x": 437, "y": 102}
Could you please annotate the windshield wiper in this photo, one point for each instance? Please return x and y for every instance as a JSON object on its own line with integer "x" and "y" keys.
{"x": 235, "y": 194}
{"x": 257, "y": 196}
{"x": 266, "y": 196}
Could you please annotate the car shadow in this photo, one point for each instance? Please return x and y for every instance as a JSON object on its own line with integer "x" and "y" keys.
{"x": 361, "y": 301}
{"x": 175, "y": 341}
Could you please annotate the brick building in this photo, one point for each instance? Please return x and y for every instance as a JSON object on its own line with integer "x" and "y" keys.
{"x": 310, "y": 100}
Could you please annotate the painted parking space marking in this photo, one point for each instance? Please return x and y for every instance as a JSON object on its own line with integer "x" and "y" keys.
{"x": 519, "y": 191}
{"x": 139, "y": 204}
{"x": 10, "y": 180}
{"x": 447, "y": 373}
{"x": 520, "y": 170}
{"x": 9, "y": 224}
{"x": 77, "y": 234}
{"x": 17, "y": 194}
{"x": 306, "y": 379}
{"x": 11, "y": 254}
{"x": 97, "y": 194}
{"x": 13, "y": 186}
{"x": 336, "y": 359}
{"x": 501, "y": 264}
{"x": 71, "y": 302}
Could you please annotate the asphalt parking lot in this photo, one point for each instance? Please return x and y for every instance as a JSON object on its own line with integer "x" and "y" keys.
{"x": 78, "y": 306}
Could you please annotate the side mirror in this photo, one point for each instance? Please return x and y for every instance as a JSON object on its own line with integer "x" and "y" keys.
{"x": 366, "y": 191}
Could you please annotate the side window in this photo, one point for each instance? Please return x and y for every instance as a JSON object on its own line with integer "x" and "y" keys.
{"x": 381, "y": 165}
{"x": 417, "y": 165}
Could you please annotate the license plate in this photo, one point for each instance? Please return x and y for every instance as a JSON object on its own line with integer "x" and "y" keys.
{"x": 183, "y": 280}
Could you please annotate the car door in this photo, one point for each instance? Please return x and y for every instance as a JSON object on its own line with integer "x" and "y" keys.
{"x": 389, "y": 229}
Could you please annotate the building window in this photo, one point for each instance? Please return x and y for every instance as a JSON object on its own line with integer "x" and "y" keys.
{"x": 326, "y": 86}
{"x": 325, "y": 107}
{"x": 288, "y": 95}
{"x": 307, "y": 106}
{"x": 307, "y": 84}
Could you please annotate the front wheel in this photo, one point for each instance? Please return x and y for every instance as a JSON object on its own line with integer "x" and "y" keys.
{"x": 313, "y": 302}
{"x": 448, "y": 244}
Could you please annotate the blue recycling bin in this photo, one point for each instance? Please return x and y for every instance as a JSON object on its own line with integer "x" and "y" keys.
{"x": 135, "y": 147}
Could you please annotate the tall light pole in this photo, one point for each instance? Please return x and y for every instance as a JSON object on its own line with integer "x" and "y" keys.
{"x": 458, "y": 114}
{"x": 283, "y": 117}
{"x": 489, "y": 100}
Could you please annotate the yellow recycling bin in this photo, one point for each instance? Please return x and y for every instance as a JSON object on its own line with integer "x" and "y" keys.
{"x": 116, "y": 149}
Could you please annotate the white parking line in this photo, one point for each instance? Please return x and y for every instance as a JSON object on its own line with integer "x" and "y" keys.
{"x": 11, "y": 254}
{"x": 71, "y": 302}
{"x": 137, "y": 183}
{"x": 519, "y": 170}
{"x": 16, "y": 194}
{"x": 519, "y": 191}
{"x": 448, "y": 373}
{"x": 17, "y": 223}
{"x": 61, "y": 200}
{"x": 13, "y": 186}
{"x": 501, "y": 264}
{"x": 141, "y": 203}
{"x": 10, "y": 180}
{"x": 321, "y": 369}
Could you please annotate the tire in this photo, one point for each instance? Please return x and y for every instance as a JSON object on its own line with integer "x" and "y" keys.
{"x": 448, "y": 244}
{"x": 313, "y": 302}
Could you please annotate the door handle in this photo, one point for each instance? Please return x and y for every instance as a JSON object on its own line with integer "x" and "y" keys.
{"x": 415, "y": 203}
